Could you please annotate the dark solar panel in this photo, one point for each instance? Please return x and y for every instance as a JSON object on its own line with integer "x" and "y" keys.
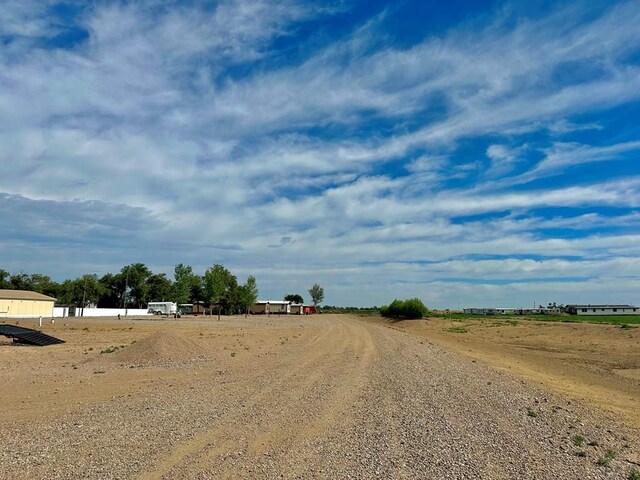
{"x": 28, "y": 335}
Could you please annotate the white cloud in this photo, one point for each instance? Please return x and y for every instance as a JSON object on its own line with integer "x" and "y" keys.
{"x": 186, "y": 128}
{"x": 503, "y": 159}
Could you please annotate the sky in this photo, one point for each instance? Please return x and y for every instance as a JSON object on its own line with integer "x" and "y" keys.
{"x": 469, "y": 153}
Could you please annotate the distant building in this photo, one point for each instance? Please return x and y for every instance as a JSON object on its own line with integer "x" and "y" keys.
{"x": 592, "y": 310}
{"x": 25, "y": 304}
{"x": 196, "y": 308}
{"x": 281, "y": 307}
{"x": 267, "y": 307}
{"x": 296, "y": 309}
{"x": 480, "y": 311}
{"x": 509, "y": 311}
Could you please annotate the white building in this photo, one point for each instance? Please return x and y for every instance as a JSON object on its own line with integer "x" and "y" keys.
{"x": 592, "y": 310}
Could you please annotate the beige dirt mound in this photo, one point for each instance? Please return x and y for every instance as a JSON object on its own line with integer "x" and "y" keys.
{"x": 162, "y": 345}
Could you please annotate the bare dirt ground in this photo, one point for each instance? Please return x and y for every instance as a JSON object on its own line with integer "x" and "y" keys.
{"x": 326, "y": 396}
{"x": 596, "y": 364}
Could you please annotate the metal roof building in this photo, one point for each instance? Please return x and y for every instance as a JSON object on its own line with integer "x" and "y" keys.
{"x": 593, "y": 310}
{"x": 25, "y": 304}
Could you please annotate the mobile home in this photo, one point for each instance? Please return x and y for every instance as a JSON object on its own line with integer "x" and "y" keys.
{"x": 593, "y": 310}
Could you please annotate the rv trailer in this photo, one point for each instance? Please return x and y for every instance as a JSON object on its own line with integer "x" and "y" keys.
{"x": 162, "y": 308}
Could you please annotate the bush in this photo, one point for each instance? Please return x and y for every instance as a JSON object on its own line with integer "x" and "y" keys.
{"x": 411, "y": 308}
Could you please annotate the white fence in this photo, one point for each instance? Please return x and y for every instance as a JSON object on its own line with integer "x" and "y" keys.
{"x": 61, "y": 311}
{"x": 101, "y": 312}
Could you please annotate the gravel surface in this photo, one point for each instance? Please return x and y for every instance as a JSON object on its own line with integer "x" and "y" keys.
{"x": 334, "y": 397}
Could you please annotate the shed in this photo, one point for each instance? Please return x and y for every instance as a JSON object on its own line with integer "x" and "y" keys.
{"x": 25, "y": 304}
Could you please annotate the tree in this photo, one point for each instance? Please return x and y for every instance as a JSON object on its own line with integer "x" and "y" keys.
{"x": 69, "y": 294}
{"x": 82, "y": 291}
{"x": 159, "y": 288}
{"x": 92, "y": 289}
{"x": 113, "y": 290}
{"x": 136, "y": 287}
{"x": 294, "y": 298}
{"x": 196, "y": 288}
{"x": 21, "y": 281}
{"x": 182, "y": 280}
{"x": 220, "y": 288}
{"x": 4, "y": 279}
{"x": 248, "y": 294}
{"x": 43, "y": 284}
{"x": 317, "y": 294}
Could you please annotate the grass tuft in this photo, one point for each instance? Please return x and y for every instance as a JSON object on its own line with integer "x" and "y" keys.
{"x": 457, "y": 330}
{"x": 111, "y": 349}
{"x": 605, "y": 460}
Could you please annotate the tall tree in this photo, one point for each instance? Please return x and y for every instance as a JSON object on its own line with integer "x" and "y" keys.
{"x": 5, "y": 279}
{"x": 220, "y": 287}
{"x": 159, "y": 288}
{"x": 196, "y": 288}
{"x": 182, "y": 281}
{"x": 317, "y": 294}
{"x": 113, "y": 290}
{"x": 136, "y": 287}
{"x": 92, "y": 289}
{"x": 82, "y": 291}
{"x": 21, "y": 281}
{"x": 294, "y": 297}
{"x": 69, "y": 294}
{"x": 248, "y": 294}
{"x": 43, "y": 284}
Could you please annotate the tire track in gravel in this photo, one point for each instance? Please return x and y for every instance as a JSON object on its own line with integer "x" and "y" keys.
{"x": 429, "y": 413}
{"x": 302, "y": 400}
{"x": 331, "y": 397}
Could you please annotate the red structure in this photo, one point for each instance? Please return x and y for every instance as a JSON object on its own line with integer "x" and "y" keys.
{"x": 308, "y": 309}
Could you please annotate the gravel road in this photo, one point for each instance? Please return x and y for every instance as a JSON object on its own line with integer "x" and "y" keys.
{"x": 336, "y": 397}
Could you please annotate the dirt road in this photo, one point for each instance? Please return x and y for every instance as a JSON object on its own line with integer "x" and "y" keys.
{"x": 594, "y": 363}
{"x": 316, "y": 397}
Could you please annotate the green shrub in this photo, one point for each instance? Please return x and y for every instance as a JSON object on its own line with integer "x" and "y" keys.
{"x": 411, "y": 308}
{"x": 605, "y": 460}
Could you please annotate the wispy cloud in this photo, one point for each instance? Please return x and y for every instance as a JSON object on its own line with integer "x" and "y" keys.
{"x": 291, "y": 134}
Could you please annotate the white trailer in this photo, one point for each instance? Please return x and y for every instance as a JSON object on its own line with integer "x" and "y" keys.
{"x": 162, "y": 308}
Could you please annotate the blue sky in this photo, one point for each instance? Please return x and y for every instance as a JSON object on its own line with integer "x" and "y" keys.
{"x": 468, "y": 153}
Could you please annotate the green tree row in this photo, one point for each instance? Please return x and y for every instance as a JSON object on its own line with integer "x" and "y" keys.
{"x": 135, "y": 285}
